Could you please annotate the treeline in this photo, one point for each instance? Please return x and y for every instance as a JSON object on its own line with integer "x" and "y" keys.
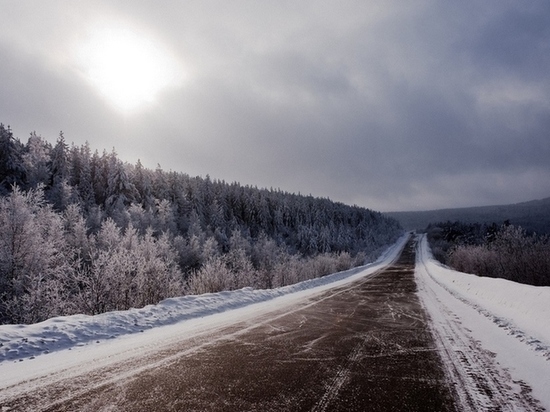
{"x": 533, "y": 216}
{"x": 88, "y": 233}
{"x": 504, "y": 251}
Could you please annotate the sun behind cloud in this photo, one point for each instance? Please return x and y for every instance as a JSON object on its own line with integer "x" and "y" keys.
{"x": 126, "y": 66}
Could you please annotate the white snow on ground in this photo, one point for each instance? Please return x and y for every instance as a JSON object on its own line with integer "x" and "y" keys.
{"x": 26, "y": 342}
{"x": 523, "y": 310}
{"x": 507, "y": 321}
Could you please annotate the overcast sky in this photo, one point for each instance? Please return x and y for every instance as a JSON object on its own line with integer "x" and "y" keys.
{"x": 391, "y": 105}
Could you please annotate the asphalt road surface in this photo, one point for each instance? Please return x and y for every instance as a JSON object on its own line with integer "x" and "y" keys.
{"x": 365, "y": 346}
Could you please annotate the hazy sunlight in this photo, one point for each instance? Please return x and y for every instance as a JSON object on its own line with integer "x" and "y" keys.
{"x": 127, "y": 68}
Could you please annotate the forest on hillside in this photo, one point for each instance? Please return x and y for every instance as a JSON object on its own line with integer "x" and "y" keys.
{"x": 84, "y": 232}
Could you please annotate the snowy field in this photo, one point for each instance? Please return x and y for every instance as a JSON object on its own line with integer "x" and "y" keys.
{"x": 491, "y": 332}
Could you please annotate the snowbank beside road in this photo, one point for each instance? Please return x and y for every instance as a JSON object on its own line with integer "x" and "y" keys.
{"x": 19, "y": 342}
{"x": 493, "y": 336}
{"x": 523, "y": 310}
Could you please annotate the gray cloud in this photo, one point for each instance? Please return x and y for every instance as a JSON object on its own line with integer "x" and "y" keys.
{"x": 390, "y": 105}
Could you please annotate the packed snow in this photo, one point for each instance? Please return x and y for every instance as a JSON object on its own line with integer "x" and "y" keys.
{"x": 522, "y": 310}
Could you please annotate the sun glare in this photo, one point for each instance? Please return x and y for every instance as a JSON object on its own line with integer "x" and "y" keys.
{"x": 127, "y": 68}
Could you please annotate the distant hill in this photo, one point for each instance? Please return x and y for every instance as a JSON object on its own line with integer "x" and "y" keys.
{"x": 533, "y": 216}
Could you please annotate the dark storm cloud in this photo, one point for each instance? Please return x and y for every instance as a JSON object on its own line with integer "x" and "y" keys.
{"x": 390, "y": 105}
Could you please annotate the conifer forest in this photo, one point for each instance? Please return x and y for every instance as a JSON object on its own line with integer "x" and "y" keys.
{"x": 84, "y": 232}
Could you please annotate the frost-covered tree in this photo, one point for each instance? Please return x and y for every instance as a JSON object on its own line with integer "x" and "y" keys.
{"x": 128, "y": 270}
{"x": 142, "y": 182}
{"x": 86, "y": 185}
{"x": 36, "y": 161}
{"x": 35, "y": 258}
{"x": 158, "y": 275}
{"x": 164, "y": 219}
{"x": 140, "y": 218}
{"x": 131, "y": 236}
{"x": 509, "y": 253}
{"x": 12, "y": 170}
{"x": 59, "y": 160}
{"x": 60, "y": 192}
{"x": 100, "y": 176}
{"x": 120, "y": 191}
{"x": 213, "y": 276}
